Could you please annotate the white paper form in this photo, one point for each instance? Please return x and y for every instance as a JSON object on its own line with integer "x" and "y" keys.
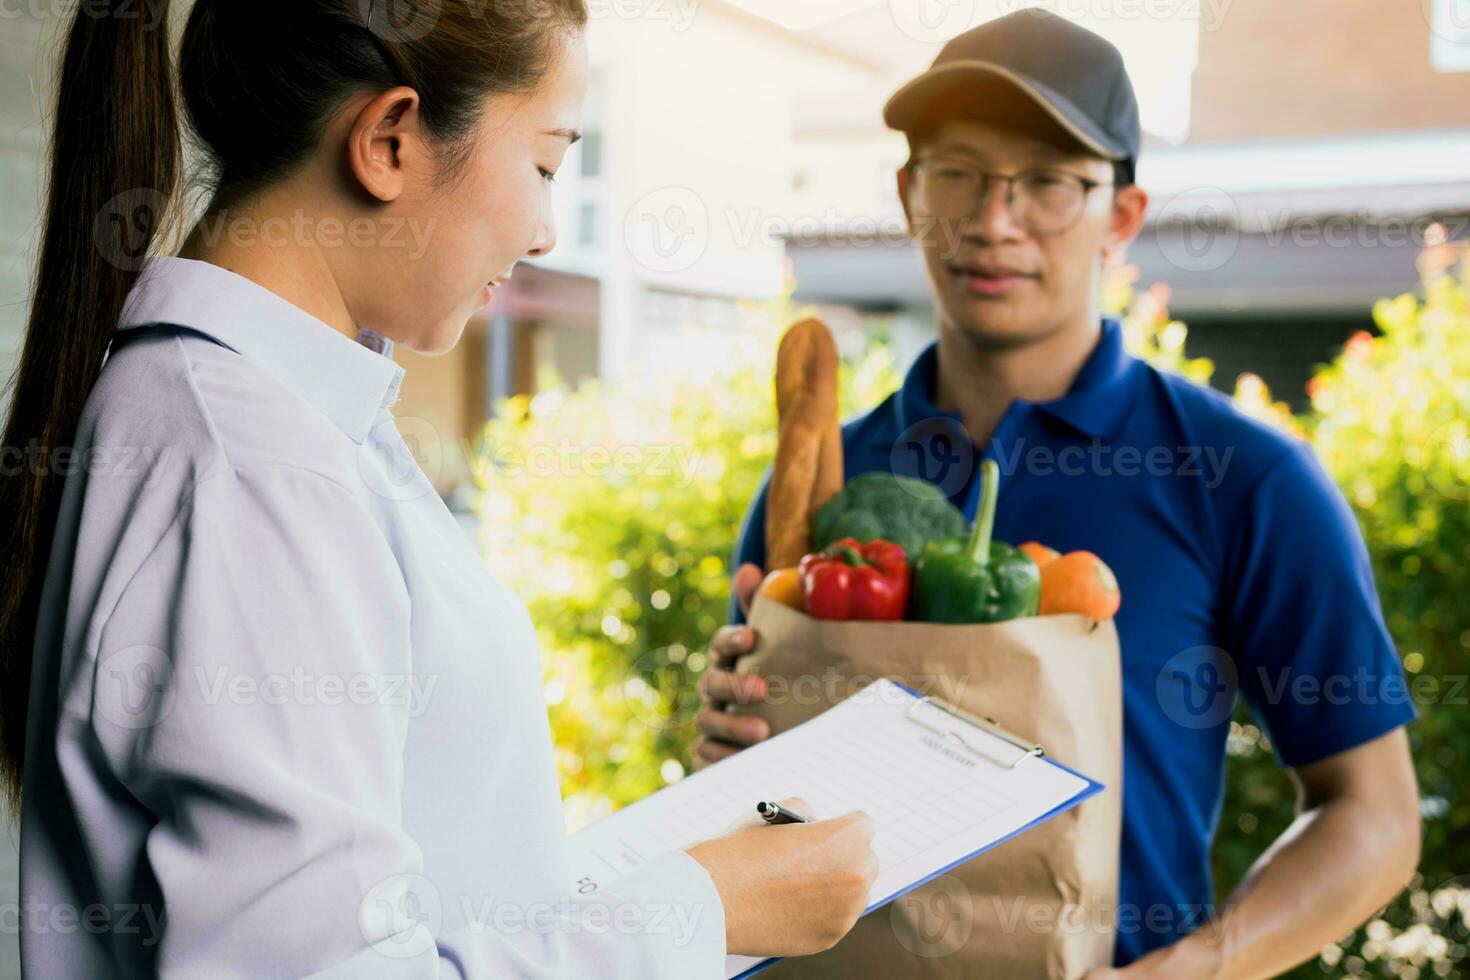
{"x": 936, "y": 799}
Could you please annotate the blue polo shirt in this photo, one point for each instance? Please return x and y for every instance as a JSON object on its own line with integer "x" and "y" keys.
{"x": 1243, "y": 574}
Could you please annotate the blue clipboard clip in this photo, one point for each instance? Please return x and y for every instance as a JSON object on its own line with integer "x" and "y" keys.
{"x": 948, "y": 720}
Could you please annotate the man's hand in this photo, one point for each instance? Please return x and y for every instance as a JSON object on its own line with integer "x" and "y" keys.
{"x": 1197, "y": 958}
{"x": 723, "y": 734}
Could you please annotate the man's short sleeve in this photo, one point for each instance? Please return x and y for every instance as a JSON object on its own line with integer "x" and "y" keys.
{"x": 1317, "y": 665}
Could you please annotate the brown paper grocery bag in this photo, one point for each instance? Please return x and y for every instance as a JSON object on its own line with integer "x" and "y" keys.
{"x": 1040, "y": 905}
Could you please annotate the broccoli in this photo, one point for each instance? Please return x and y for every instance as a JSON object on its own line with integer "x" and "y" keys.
{"x": 900, "y": 509}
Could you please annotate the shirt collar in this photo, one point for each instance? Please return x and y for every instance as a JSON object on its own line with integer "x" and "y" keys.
{"x": 1096, "y": 405}
{"x": 344, "y": 380}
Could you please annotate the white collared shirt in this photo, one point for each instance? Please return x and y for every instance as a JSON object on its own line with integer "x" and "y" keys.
{"x": 277, "y": 694}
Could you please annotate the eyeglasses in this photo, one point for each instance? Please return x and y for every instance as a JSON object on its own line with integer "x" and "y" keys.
{"x": 1043, "y": 200}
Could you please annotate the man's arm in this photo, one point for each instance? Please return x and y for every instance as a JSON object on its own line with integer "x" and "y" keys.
{"x": 1353, "y": 847}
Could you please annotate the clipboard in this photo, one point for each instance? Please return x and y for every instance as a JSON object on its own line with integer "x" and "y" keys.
{"x": 921, "y": 767}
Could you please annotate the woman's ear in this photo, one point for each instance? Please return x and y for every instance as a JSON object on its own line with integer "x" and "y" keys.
{"x": 386, "y": 143}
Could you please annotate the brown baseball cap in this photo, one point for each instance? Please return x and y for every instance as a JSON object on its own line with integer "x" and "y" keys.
{"x": 1073, "y": 75}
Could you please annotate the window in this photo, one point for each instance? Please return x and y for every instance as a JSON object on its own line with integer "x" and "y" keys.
{"x": 592, "y": 154}
{"x": 587, "y": 224}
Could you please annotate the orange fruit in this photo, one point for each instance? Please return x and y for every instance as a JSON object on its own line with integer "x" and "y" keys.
{"x": 784, "y": 586}
{"x": 1040, "y": 553}
{"x": 1079, "y": 582}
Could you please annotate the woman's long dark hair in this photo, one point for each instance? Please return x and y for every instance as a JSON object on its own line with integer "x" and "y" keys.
{"x": 259, "y": 82}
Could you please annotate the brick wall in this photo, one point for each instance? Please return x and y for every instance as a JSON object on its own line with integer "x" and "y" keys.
{"x": 1307, "y": 68}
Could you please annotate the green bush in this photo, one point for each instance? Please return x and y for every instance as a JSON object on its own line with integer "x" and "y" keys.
{"x": 1390, "y": 420}
{"x": 626, "y": 567}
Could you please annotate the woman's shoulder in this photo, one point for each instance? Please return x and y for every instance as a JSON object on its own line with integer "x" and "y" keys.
{"x": 184, "y": 408}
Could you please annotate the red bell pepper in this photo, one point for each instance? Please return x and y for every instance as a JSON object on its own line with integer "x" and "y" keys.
{"x": 848, "y": 580}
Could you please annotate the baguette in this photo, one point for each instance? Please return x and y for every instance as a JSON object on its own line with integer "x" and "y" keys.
{"x": 808, "y": 468}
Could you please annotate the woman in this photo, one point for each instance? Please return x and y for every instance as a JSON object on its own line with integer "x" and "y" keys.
{"x": 281, "y": 720}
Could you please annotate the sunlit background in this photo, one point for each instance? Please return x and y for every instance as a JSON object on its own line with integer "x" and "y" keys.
{"x": 1307, "y": 162}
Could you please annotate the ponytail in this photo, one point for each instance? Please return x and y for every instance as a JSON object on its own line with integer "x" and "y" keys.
{"x": 114, "y": 168}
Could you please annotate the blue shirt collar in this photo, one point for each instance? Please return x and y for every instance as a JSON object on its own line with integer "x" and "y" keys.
{"x": 344, "y": 380}
{"x": 1096, "y": 405}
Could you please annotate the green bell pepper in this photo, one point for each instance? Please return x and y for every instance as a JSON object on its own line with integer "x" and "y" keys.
{"x": 975, "y": 579}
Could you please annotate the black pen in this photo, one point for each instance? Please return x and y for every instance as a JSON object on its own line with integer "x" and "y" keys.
{"x": 775, "y": 813}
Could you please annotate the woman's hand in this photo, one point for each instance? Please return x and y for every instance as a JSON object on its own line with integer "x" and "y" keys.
{"x": 721, "y": 733}
{"x": 792, "y": 889}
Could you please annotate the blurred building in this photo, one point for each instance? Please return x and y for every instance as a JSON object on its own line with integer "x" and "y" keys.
{"x": 1319, "y": 142}
{"x": 1296, "y": 156}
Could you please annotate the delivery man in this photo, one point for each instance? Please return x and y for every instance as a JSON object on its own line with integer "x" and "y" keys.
{"x": 1241, "y": 567}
